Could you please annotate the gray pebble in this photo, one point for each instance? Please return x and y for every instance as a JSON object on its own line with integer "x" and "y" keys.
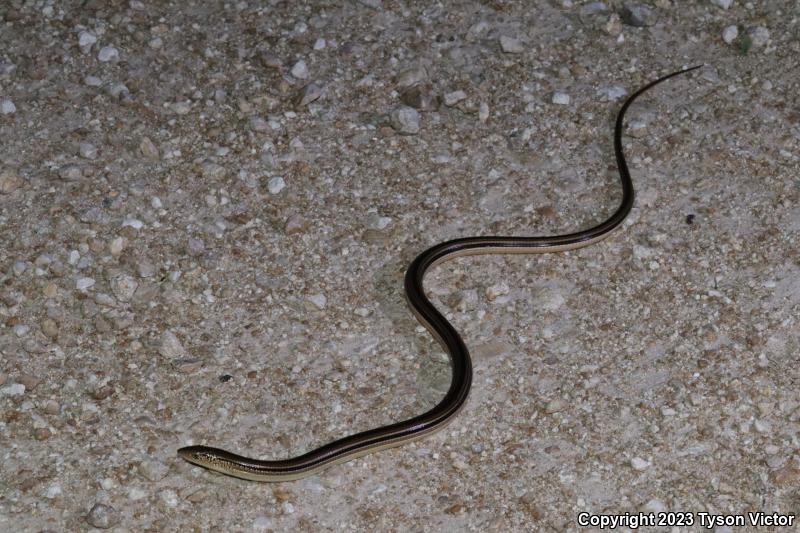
{"x": 19, "y": 267}
{"x": 560, "y": 98}
{"x": 724, "y": 4}
{"x": 259, "y": 124}
{"x": 276, "y": 185}
{"x": 153, "y": 470}
{"x": 759, "y": 36}
{"x": 92, "y": 81}
{"x": 195, "y": 246}
{"x": 452, "y": 98}
{"x": 102, "y": 516}
{"x": 124, "y": 287}
{"x": 84, "y": 283}
{"x": 148, "y": 148}
{"x": 170, "y": 346}
{"x": 612, "y": 92}
{"x": 70, "y": 173}
{"x": 405, "y": 120}
{"x": 411, "y": 77}
{"x": 7, "y": 107}
{"x": 85, "y": 40}
{"x": 108, "y": 53}
{"x": 637, "y": 15}
{"x": 511, "y": 45}
{"x": 309, "y": 93}
{"x": 730, "y": 34}
{"x": 87, "y": 150}
{"x": 300, "y": 70}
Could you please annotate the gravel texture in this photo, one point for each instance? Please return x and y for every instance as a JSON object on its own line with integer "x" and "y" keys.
{"x": 206, "y": 209}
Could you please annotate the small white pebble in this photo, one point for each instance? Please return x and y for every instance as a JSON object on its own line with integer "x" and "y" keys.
{"x": 87, "y": 150}
{"x": 262, "y": 524}
{"x": 319, "y": 44}
{"x": 451, "y": 99}
{"x": 300, "y": 70}
{"x": 137, "y": 493}
{"x": 169, "y": 497}
{"x": 155, "y": 202}
{"x": 86, "y": 39}
{"x": 640, "y": 464}
{"x": 20, "y": 330}
{"x": 108, "y": 53}
{"x": 730, "y": 34}
{"x": 132, "y": 222}
{"x": 287, "y": 507}
{"x": 92, "y": 81}
{"x": 276, "y": 185}
{"x": 511, "y": 45}
{"x": 14, "y": 389}
{"x": 74, "y": 257}
{"x": 7, "y": 107}
{"x": 560, "y": 98}
{"x": 53, "y": 491}
{"x": 319, "y": 300}
{"x": 724, "y": 4}
{"x": 84, "y": 283}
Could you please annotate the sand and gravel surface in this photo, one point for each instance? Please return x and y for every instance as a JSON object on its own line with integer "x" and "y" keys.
{"x": 207, "y": 207}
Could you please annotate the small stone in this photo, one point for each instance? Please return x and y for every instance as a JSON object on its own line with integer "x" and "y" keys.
{"x": 19, "y": 267}
{"x": 258, "y": 124}
{"x": 730, "y": 34}
{"x": 451, "y": 99}
{"x": 145, "y": 268}
{"x": 155, "y": 43}
{"x": 309, "y": 93}
{"x": 169, "y": 497}
{"x": 117, "y": 246}
{"x": 555, "y": 406}
{"x": 7, "y": 107}
{"x": 510, "y": 45}
{"x": 29, "y": 381}
{"x": 786, "y": 476}
{"x": 108, "y": 53}
{"x": 759, "y": 36}
{"x": 319, "y": 300}
{"x": 639, "y": 464}
{"x": 153, "y": 470}
{"x": 276, "y": 185}
{"x": 41, "y": 434}
{"x": 49, "y": 328}
{"x": 724, "y": 4}
{"x": 51, "y": 407}
{"x": 560, "y": 98}
{"x": 319, "y": 44}
{"x": 270, "y": 60}
{"x": 87, "y": 150}
{"x": 637, "y": 15}
{"x": 92, "y": 81}
{"x": 124, "y": 287}
{"x": 86, "y": 39}
{"x": 9, "y": 181}
{"x": 13, "y": 389}
{"x": 654, "y": 506}
{"x": 181, "y": 108}
{"x": 262, "y": 524}
{"x": 411, "y": 77}
{"x": 612, "y": 92}
{"x": 613, "y": 26}
{"x": 170, "y": 346}
{"x": 70, "y": 173}
{"x": 148, "y": 149}
{"x": 300, "y": 70}
{"x": 483, "y": 112}
{"x": 496, "y": 290}
{"x": 84, "y": 283}
{"x": 421, "y": 97}
{"x": 53, "y": 491}
{"x": 132, "y": 223}
{"x": 195, "y": 246}
{"x": 213, "y": 171}
{"x": 20, "y": 330}
{"x": 295, "y": 224}
{"x": 405, "y": 120}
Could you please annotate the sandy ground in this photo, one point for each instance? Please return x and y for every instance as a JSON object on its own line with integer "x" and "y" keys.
{"x": 206, "y": 210}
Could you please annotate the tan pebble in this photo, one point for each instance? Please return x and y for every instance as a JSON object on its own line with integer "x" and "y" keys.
{"x": 41, "y": 433}
{"x": 50, "y": 290}
{"x": 117, "y": 245}
{"x": 51, "y": 407}
{"x": 282, "y": 495}
{"x": 148, "y": 149}
{"x": 786, "y": 476}
{"x": 30, "y": 381}
{"x": 49, "y": 328}
{"x": 9, "y": 181}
